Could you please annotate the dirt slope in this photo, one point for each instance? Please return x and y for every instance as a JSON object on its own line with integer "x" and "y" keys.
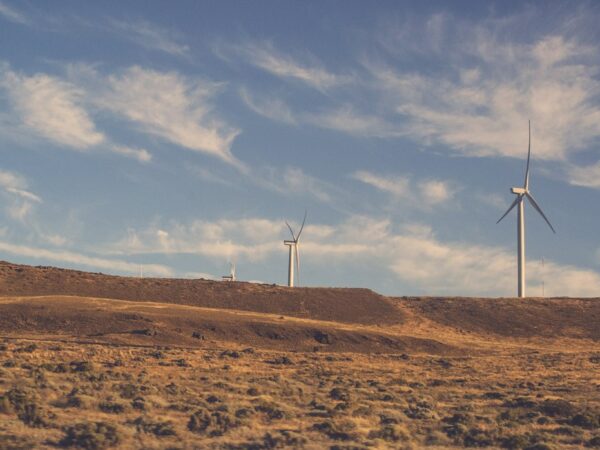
{"x": 334, "y": 304}
{"x": 511, "y": 317}
{"x": 85, "y": 319}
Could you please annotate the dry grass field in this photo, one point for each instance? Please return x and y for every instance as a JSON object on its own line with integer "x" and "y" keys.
{"x": 91, "y": 361}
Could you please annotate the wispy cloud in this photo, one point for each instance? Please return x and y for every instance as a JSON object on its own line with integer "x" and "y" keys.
{"x": 479, "y": 104}
{"x": 266, "y": 57}
{"x": 426, "y": 192}
{"x": 150, "y": 35}
{"x": 78, "y": 260}
{"x": 293, "y": 181}
{"x": 270, "y": 107}
{"x": 588, "y": 176}
{"x": 398, "y": 186}
{"x": 172, "y": 107}
{"x": 252, "y": 238}
{"x": 344, "y": 118}
{"x": 19, "y": 200}
{"x": 350, "y": 121}
{"x": 142, "y": 155}
{"x": 17, "y": 185}
{"x": 163, "y": 104}
{"x": 51, "y": 108}
{"x": 13, "y": 15}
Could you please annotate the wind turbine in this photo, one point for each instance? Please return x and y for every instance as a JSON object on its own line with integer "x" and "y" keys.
{"x": 231, "y": 276}
{"x": 294, "y": 252}
{"x": 522, "y": 193}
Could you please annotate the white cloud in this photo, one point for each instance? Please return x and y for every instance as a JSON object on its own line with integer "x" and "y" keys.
{"x": 435, "y": 191}
{"x": 480, "y": 103}
{"x": 345, "y": 118}
{"x": 11, "y": 14}
{"x": 82, "y": 260}
{"x": 293, "y": 180}
{"x": 270, "y": 107}
{"x": 430, "y": 266}
{"x": 251, "y": 238}
{"x": 267, "y": 58}
{"x": 398, "y": 186}
{"x": 588, "y": 176}
{"x": 17, "y": 185}
{"x": 411, "y": 253}
{"x": 150, "y": 36}
{"x": 20, "y": 201}
{"x": 51, "y": 108}
{"x": 425, "y": 193}
{"x": 140, "y": 154}
{"x": 172, "y": 107}
{"x": 163, "y": 104}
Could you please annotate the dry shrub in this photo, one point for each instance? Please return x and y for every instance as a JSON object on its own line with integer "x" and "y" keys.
{"x": 211, "y": 423}
{"x": 390, "y": 433}
{"x": 90, "y": 436}
{"x": 164, "y": 428}
{"x": 26, "y": 404}
{"x": 343, "y": 430}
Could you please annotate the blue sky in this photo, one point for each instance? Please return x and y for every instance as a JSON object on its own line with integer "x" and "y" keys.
{"x": 180, "y": 135}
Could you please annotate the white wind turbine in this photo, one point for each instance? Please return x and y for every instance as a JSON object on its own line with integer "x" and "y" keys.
{"x": 231, "y": 276}
{"x": 521, "y": 193}
{"x": 294, "y": 252}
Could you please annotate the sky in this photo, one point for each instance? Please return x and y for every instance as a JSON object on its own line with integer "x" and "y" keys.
{"x": 178, "y": 137}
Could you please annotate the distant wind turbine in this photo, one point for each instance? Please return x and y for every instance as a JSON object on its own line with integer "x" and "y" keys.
{"x": 521, "y": 193}
{"x": 231, "y": 276}
{"x": 294, "y": 252}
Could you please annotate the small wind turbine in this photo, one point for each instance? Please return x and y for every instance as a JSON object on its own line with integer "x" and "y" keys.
{"x": 294, "y": 252}
{"x": 231, "y": 276}
{"x": 521, "y": 193}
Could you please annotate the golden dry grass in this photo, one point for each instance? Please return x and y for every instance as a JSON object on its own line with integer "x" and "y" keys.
{"x": 244, "y": 398}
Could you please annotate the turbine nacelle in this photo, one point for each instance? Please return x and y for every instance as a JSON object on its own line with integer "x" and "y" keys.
{"x": 518, "y": 190}
{"x": 289, "y": 242}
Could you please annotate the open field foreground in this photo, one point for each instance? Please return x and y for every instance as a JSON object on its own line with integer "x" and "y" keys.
{"x": 94, "y": 361}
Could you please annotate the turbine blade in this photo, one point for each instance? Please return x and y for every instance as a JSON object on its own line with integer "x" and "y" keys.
{"x": 526, "y": 184}
{"x": 509, "y": 209}
{"x": 303, "y": 222}
{"x": 298, "y": 263}
{"x": 538, "y": 209}
{"x": 291, "y": 231}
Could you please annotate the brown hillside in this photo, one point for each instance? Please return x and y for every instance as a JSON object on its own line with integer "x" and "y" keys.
{"x": 358, "y": 310}
{"x": 93, "y": 320}
{"x": 512, "y": 317}
{"x": 333, "y": 304}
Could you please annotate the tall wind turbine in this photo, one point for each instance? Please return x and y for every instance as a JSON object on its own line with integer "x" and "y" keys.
{"x": 294, "y": 252}
{"x": 522, "y": 193}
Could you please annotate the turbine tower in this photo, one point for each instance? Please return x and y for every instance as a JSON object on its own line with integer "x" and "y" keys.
{"x": 231, "y": 276}
{"x": 522, "y": 193}
{"x": 294, "y": 252}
